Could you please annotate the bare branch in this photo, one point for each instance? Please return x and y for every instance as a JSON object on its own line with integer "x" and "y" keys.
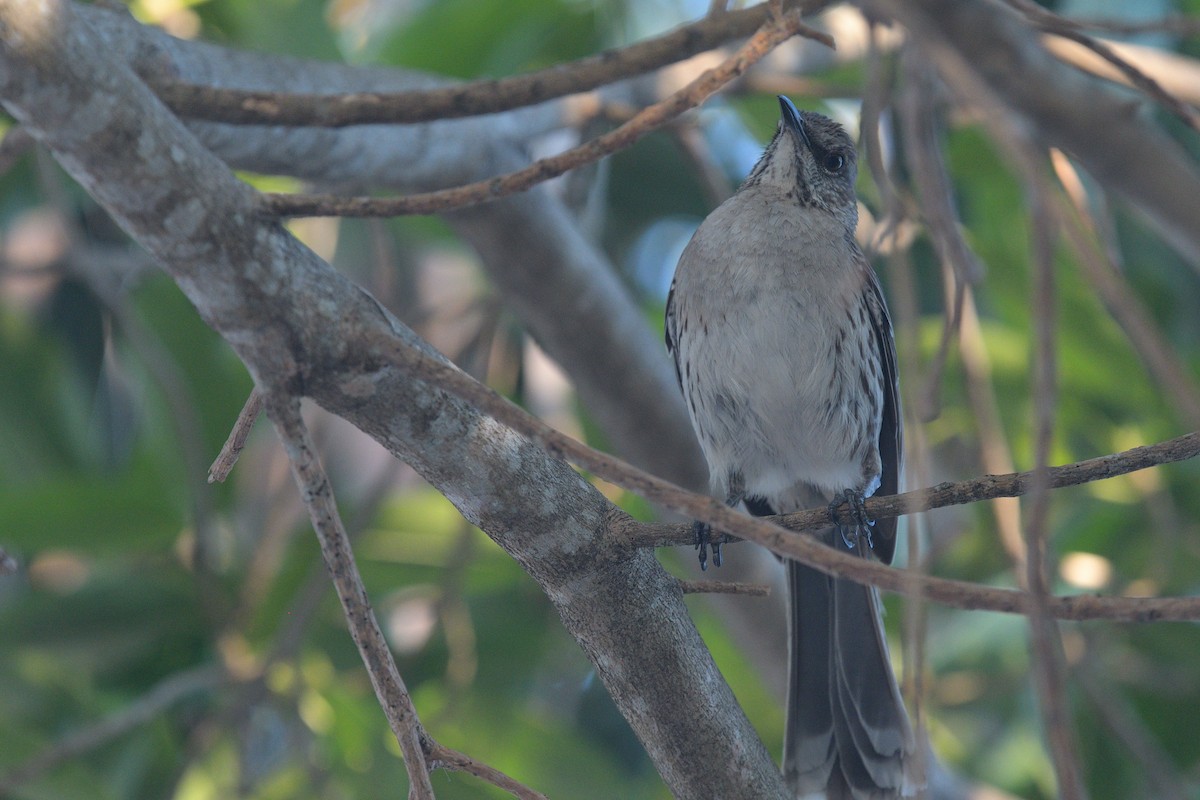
{"x": 774, "y": 32}
{"x": 1048, "y": 661}
{"x": 995, "y": 454}
{"x": 724, "y": 587}
{"x": 232, "y": 448}
{"x": 447, "y": 758}
{"x": 922, "y": 138}
{"x": 317, "y": 493}
{"x": 240, "y": 107}
{"x": 299, "y": 325}
{"x": 761, "y": 530}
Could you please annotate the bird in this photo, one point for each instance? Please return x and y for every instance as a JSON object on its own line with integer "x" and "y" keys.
{"x": 784, "y": 351}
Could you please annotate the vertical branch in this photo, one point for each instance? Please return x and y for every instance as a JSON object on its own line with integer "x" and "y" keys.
{"x": 995, "y": 455}
{"x": 876, "y": 97}
{"x": 1048, "y": 667}
{"x": 318, "y": 497}
{"x": 960, "y": 266}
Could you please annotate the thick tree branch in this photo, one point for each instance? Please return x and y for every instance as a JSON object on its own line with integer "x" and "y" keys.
{"x": 557, "y": 280}
{"x": 301, "y": 327}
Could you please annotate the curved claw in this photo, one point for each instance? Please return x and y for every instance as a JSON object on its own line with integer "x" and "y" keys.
{"x": 705, "y": 541}
{"x": 862, "y": 522}
{"x": 703, "y": 534}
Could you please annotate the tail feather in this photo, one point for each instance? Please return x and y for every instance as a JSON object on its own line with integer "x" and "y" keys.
{"x": 809, "y": 747}
{"x": 872, "y": 711}
{"x": 846, "y": 723}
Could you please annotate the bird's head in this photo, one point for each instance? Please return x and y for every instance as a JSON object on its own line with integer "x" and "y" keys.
{"x": 811, "y": 161}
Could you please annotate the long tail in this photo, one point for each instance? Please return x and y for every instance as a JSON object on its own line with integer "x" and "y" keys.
{"x": 847, "y": 733}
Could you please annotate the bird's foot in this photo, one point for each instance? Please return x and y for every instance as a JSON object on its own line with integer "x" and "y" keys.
{"x": 862, "y": 523}
{"x": 704, "y": 541}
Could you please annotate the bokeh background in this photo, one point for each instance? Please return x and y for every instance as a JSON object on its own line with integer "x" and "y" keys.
{"x": 128, "y": 670}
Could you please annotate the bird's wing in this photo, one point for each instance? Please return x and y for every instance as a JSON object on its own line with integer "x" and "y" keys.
{"x": 670, "y": 334}
{"x": 891, "y": 427}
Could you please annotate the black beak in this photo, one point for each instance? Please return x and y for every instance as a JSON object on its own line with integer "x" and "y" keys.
{"x": 791, "y": 119}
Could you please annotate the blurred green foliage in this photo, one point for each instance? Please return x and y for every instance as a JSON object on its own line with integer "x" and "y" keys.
{"x": 102, "y": 504}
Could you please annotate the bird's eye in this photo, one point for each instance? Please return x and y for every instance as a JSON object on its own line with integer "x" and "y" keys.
{"x": 833, "y": 162}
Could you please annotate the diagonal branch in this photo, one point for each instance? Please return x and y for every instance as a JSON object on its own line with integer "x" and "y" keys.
{"x": 762, "y": 530}
{"x": 1048, "y": 662}
{"x": 317, "y": 493}
{"x": 553, "y": 276}
{"x": 301, "y": 327}
{"x": 773, "y": 33}
{"x": 243, "y": 107}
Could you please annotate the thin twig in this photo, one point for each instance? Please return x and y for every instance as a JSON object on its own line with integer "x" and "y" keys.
{"x": 232, "y": 448}
{"x": 994, "y": 453}
{"x": 390, "y": 349}
{"x": 954, "y": 292}
{"x": 987, "y": 487}
{"x": 447, "y": 758}
{"x": 1049, "y": 666}
{"x": 922, "y": 139}
{"x": 317, "y": 493}
{"x": 877, "y": 95}
{"x": 724, "y": 587}
{"x": 653, "y": 117}
{"x": 244, "y": 107}
{"x": 960, "y": 266}
{"x": 421, "y": 753}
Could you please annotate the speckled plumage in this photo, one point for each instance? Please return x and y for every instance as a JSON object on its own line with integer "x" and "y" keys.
{"x": 784, "y": 352}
